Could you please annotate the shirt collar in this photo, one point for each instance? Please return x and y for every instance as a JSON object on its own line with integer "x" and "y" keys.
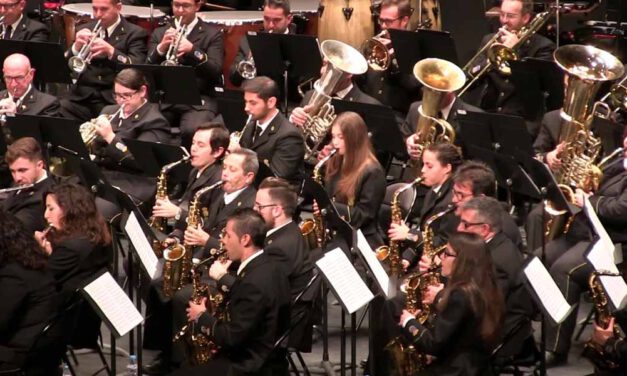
{"x": 248, "y": 260}
{"x": 111, "y": 28}
{"x": 265, "y": 125}
{"x": 122, "y": 116}
{"x": 229, "y": 197}
{"x": 342, "y": 93}
{"x": 15, "y": 24}
{"x": 436, "y": 189}
{"x": 273, "y": 230}
{"x": 190, "y": 26}
{"x": 20, "y": 99}
{"x": 447, "y": 110}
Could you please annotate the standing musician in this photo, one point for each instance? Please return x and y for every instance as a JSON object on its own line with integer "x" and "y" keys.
{"x": 277, "y": 18}
{"x": 469, "y": 310}
{"x": 390, "y": 86}
{"x": 497, "y": 92}
{"x": 27, "y": 166}
{"x": 17, "y": 26}
{"x": 258, "y": 306}
{"x": 277, "y": 143}
{"x": 119, "y": 43}
{"x": 200, "y": 46}
{"x": 18, "y": 78}
{"x": 209, "y": 146}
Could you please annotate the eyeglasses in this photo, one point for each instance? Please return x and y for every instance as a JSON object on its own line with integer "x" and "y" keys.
{"x": 125, "y": 96}
{"x": 10, "y": 5}
{"x": 387, "y": 21}
{"x": 461, "y": 195}
{"x": 466, "y": 224}
{"x": 448, "y": 253}
{"x": 509, "y": 16}
{"x": 16, "y": 78}
{"x": 261, "y": 207}
{"x": 182, "y": 5}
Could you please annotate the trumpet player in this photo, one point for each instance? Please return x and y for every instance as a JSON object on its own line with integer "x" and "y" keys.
{"x": 21, "y": 97}
{"x": 118, "y": 43}
{"x": 190, "y": 42}
{"x": 17, "y": 26}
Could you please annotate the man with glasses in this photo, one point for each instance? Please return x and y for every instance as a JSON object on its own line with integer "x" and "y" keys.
{"x": 119, "y": 43}
{"x": 200, "y": 47}
{"x": 21, "y": 97}
{"x": 17, "y": 26}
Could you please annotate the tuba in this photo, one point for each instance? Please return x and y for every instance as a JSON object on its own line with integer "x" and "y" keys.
{"x": 438, "y": 77}
{"x": 314, "y": 230}
{"x": 587, "y": 68}
{"x": 79, "y": 62}
{"x": 343, "y": 60}
{"x": 171, "y": 58}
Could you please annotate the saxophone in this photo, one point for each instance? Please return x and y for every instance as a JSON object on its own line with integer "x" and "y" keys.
{"x": 159, "y": 223}
{"x": 593, "y": 351}
{"x": 178, "y": 258}
{"x": 314, "y": 229}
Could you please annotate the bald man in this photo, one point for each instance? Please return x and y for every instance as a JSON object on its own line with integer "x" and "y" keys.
{"x": 20, "y": 96}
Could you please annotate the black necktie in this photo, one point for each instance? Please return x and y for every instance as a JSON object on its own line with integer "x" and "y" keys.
{"x": 257, "y": 133}
{"x": 7, "y": 32}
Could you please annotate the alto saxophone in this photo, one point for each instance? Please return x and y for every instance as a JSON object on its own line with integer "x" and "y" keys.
{"x": 593, "y": 351}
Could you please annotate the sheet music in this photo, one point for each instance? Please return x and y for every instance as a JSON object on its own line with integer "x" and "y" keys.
{"x": 382, "y": 278}
{"x": 616, "y": 289}
{"x": 114, "y": 303}
{"x": 597, "y": 226}
{"x": 348, "y": 286}
{"x": 547, "y": 291}
{"x": 142, "y": 246}
{"x": 601, "y": 256}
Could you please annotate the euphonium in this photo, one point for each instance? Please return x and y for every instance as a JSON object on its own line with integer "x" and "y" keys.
{"x": 594, "y": 352}
{"x": 343, "y": 60}
{"x": 378, "y": 52}
{"x": 89, "y": 129}
{"x": 438, "y": 77}
{"x": 587, "y": 68}
{"x": 171, "y": 58}
{"x": 79, "y": 62}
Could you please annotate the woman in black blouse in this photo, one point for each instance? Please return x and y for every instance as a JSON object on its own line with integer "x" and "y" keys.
{"x": 469, "y": 312}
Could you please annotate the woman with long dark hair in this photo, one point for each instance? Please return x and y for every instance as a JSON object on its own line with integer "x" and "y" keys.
{"x": 469, "y": 311}
{"x": 354, "y": 178}
{"x": 27, "y": 291}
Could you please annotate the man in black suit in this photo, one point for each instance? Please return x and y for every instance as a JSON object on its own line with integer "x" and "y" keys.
{"x": 278, "y": 144}
{"x": 17, "y": 26}
{"x": 209, "y": 145}
{"x": 21, "y": 97}
{"x": 200, "y": 47}
{"x": 483, "y": 216}
{"x": 257, "y": 310}
{"x": 496, "y": 92}
{"x": 27, "y": 166}
{"x": 120, "y": 43}
{"x": 390, "y": 86}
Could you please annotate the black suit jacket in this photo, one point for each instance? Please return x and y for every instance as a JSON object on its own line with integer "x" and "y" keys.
{"x": 27, "y": 205}
{"x": 549, "y": 133}
{"x": 411, "y": 121}
{"x": 258, "y": 311}
{"x": 129, "y": 41}
{"x": 281, "y": 147}
{"x": 362, "y": 213}
{"x": 209, "y": 176}
{"x": 29, "y": 301}
{"x": 30, "y": 30}
{"x": 610, "y": 201}
{"x": 391, "y": 87}
{"x": 206, "y": 58}
{"x": 36, "y": 103}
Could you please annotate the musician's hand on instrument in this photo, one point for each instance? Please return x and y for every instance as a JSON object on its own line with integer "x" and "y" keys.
{"x": 315, "y": 208}
{"x": 100, "y": 48}
{"x": 601, "y": 335}
{"x": 398, "y": 232}
{"x": 104, "y": 128}
{"x": 40, "y": 236}
{"x": 168, "y": 38}
{"x": 431, "y": 293}
{"x": 196, "y": 236}
{"x": 580, "y": 196}
{"x": 195, "y": 310}
{"x": 82, "y": 37}
{"x": 299, "y": 115}
{"x": 508, "y": 38}
{"x": 170, "y": 241}
{"x": 326, "y": 150}
{"x": 425, "y": 263}
{"x": 552, "y": 160}
{"x": 413, "y": 149}
{"x": 164, "y": 209}
{"x": 185, "y": 47}
{"x": 219, "y": 269}
{"x": 405, "y": 264}
{"x": 405, "y": 316}
{"x": 7, "y": 106}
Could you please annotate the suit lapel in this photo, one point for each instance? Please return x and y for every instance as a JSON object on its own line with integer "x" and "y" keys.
{"x": 197, "y": 32}
{"x": 29, "y": 100}
{"x": 265, "y": 136}
{"x": 119, "y": 31}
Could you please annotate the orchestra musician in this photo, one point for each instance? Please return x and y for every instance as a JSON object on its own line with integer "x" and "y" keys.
{"x": 119, "y": 43}
{"x": 25, "y": 160}
{"x": 201, "y": 47}
{"x": 27, "y": 291}
{"x": 466, "y": 326}
{"x": 614, "y": 347}
{"x": 258, "y": 306}
{"x": 18, "y": 78}
{"x": 17, "y": 26}
{"x": 278, "y": 144}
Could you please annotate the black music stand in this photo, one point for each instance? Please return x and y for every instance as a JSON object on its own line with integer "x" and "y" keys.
{"x": 466, "y": 21}
{"x": 231, "y": 105}
{"x": 170, "y": 85}
{"x": 498, "y": 132}
{"x": 46, "y": 58}
{"x": 551, "y": 78}
{"x": 411, "y": 47}
{"x": 528, "y": 83}
{"x": 609, "y": 132}
{"x": 152, "y": 156}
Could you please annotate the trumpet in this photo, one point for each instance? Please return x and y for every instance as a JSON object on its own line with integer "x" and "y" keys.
{"x": 171, "y": 59}
{"x": 79, "y": 62}
{"x": 236, "y": 137}
{"x": 89, "y": 129}
{"x": 247, "y": 69}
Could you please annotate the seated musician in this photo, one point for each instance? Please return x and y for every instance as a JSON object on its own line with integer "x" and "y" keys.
{"x": 209, "y": 145}
{"x": 27, "y": 166}
{"x": 467, "y": 312}
{"x": 21, "y": 97}
{"x": 566, "y": 254}
{"x": 119, "y": 43}
{"x": 200, "y": 47}
{"x": 258, "y": 306}
{"x": 17, "y": 26}
{"x": 277, "y": 143}
{"x": 276, "y": 19}
{"x": 614, "y": 347}
{"x": 29, "y": 299}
